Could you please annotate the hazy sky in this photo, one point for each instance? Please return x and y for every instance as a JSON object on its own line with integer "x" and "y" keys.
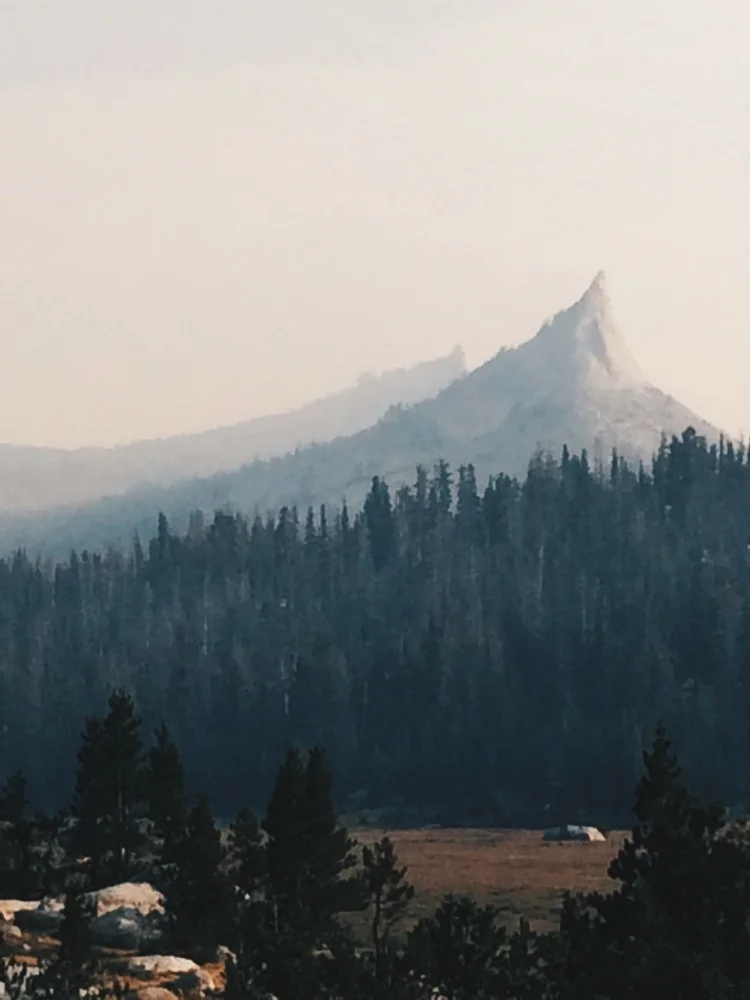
{"x": 211, "y": 209}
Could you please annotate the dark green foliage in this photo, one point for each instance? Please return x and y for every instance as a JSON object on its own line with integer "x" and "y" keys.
{"x": 460, "y": 947}
{"x": 247, "y": 854}
{"x": 74, "y": 969}
{"x": 677, "y": 923}
{"x": 488, "y": 652}
{"x": 529, "y": 963}
{"x": 19, "y": 870}
{"x": 164, "y": 782}
{"x": 379, "y": 519}
{"x": 283, "y": 824}
{"x": 13, "y": 802}
{"x": 240, "y": 984}
{"x": 108, "y": 793}
{"x": 388, "y": 893}
{"x": 307, "y": 849}
{"x": 75, "y": 937}
{"x": 199, "y": 898}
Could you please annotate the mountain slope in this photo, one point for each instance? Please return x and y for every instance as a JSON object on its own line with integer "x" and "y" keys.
{"x": 38, "y": 478}
{"x": 574, "y": 383}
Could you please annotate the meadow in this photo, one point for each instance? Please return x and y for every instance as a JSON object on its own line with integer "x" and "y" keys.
{"x": 512, "y": 869}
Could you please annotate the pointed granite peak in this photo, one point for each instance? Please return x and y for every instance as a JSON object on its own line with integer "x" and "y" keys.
{"x": 585, "y": 342}
{"x": 595, "y": 299}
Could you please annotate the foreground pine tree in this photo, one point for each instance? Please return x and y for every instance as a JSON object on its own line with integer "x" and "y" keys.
{"x": 459, "y": 948}
{"x": 677, "y": 924}
{"x": 198, "y": 900}
{"x": 307, "y": 850}
{"x": 108, "y": 793}
{"x": 247, "y": 853}
{"x": 74, "y": 970}
{"x": 75, "y": 935}
{"x": 17, "y": 876}
{"x": 164, "y": 783}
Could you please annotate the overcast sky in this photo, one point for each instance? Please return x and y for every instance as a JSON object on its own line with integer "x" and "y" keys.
{"x": 211, "y": 210}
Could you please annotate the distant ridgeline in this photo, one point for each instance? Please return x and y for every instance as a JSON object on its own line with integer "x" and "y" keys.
{"x": 489, "y": 655}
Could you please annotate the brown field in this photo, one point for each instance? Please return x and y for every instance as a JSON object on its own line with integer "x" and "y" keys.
{"x": 512, "y": 869}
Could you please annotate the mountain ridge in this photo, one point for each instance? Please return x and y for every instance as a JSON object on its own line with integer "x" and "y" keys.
{"x": 42, "y": 478}
{"x": 573, "y": 383}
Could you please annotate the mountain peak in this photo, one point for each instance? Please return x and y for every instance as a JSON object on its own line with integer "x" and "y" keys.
{"x": 583, "y": 342}
{"x": 595, "y": 297}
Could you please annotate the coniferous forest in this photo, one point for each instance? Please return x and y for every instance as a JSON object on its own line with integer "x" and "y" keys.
{"x": 272, "y": 900}
{"x": 490, "y": 654}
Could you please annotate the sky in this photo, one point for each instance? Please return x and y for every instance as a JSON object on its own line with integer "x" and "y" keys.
{"x": 214, "y": 210}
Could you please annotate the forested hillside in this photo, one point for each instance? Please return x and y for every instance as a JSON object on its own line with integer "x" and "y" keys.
{"x": 495, "y": 655}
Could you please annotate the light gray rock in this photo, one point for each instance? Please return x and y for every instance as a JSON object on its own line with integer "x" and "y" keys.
{"x": 150, "y": 993}
{"x": 132, "y": 895}
{"x": 156, "y": 966}
{"x": 10, "y": 907}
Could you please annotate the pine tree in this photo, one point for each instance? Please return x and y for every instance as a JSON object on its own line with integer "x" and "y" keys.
{"x": 73, "y": 971}
{"x": 283, "y": 825}
{"x": 388, "y": 891}
{"x": 17, "y": 835}
{"x": 459, "y": 948}
{"x": 198, "y": 901}
{"x": 108, "y": 792}
{"x": 378, "y": 514}
{"x": 307, "y": 849}
{"x": 330, "y": 849}
{"x": 677, "y": 923}
{"x": 247, "y": 852}
{"x": 13, "y": 802}
{"x": 75, "y": 934}
{"x": 164, "y": 782}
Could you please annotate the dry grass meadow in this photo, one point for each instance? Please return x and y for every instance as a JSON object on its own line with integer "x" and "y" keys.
{"x": 512, "y": 869}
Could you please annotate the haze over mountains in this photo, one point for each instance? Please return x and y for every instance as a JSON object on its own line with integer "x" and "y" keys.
{"x": 39, "y": 478}
{"x": 574, "y": 383}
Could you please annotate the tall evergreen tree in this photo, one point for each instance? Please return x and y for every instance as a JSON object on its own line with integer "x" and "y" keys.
{"x": 164, "y": 782}
{"x": 247, "y": 852}
{"x": 108, "y": 794}
{"x": 198, "y": 900}
{"x": 17, "y": 835}
{"x": 74, "y": 933}
{"x": 458, "y": 948}
{"x": 307, "y": 850}
{"x": 677, "y": 923}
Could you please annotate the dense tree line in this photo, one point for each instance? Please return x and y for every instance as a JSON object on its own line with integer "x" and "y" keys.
{"x": 491, "y": 654}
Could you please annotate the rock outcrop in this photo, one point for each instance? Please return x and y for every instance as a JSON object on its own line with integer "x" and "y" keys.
{"x": 10, "y": 907}
{"x": 139, "y": 896}
{"x": 126, "y": 928}
{"x": 158, "y": 966}
{"x": 127, "y": 916}
{"x": 150, "y": 993}
{"x": 44, "y": 918}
